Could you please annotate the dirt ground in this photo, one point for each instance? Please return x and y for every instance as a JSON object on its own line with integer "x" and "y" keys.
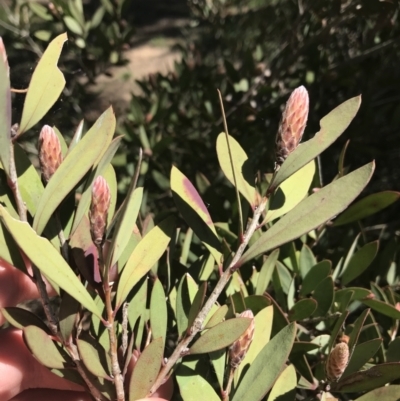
{"x": 158, "y": 30}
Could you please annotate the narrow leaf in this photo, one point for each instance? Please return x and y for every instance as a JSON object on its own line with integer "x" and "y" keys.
{"x": 359, "y": 262}
{"x": 285, "y": 386}
{"x": 43, "y": 348}
{"x": 291, "y": 192}
{"x": 362, "y": 354}
{"x": 5, "y": 113}
{"x": 46, "y": 85}
{"x": 193, "y": 387}
{"x": 94, "y": 357}
{"x": 144, "y": 256}
{"x": 42, "y": 253}
{"x": 369, "y": 379}
{"x": 125, "y": 225}
{"x": 194, "y": 211}
{"x": 267, "y": 366}
{"x": 21, "y": 318}
{"x": 367, "y": 206}
{"x": 312, "y": 212}
{"x": 158, "y": 311}
{"x": 220, "y": 336}
{"x": 146, "y": 370}
{"x": 243, "y": 172}
{"x": 388, "y": 393}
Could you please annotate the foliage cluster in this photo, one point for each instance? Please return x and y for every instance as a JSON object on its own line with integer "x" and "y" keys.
{"x": 241, "y": 307}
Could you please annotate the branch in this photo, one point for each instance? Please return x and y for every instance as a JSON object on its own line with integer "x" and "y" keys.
{"x": 181, "y": 348}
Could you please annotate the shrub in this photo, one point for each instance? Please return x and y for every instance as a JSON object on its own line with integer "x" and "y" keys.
{"x": 243, "y": 307}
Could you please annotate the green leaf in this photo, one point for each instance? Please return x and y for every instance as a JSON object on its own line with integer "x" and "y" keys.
{"x": 367, "y": 380}
{"x": 220, "y": 336}
{"x": 302, "y": 309}
{"x": 307, "y": 260}
{"x": 359, "y": 262}
{"x": 137, "y": 305}
{"x": 324, "y": 294}
{"x": 303, "y": 347}
{"x": 332, "y": 126}
{"x": 40, "y": 11}
{"x": 102, "y": 168}
{"x": 285, "y": 386}
{"x": 197, "y": 303}
{"x": 358, "y": 293}
{"x": 125, "y": 225}
{"x": 158, "y": 311}
{"x": 68, "y": 314}
{"x": 186, "y": 293}
{"x": 367, "y": 206}
{"x": 146, "y": 370}
{"x": 193, "y": 387}
{"x": 30, "y": 184}
{"x": 21, "y": 318}
{"x": 147, "y": 252}
{"x": 42, "y": 253}
{"x": 94, "y": 357}
{"x": 382, "y": 307}
{"x": 217, "y": 317}
{"x": 355, "y": 333}
{"x": 43, "y": 348}
{"x": 315, "y": 275}
{"x": 5, "y": 115}
{"x": 263, "y": 321}
{"x": 195, "y": 212}
{"x": 362, "y": 354}
{"x": 266, "y": 271}
{"x": 312, "y": 212}
{"x": 387, "y": 393}
{"x": 243, "y": 171}
{"x": 97, "y": 17}
{"x": 9, "y": 250}
{"x": 74, "y": 167}
{"x": 73, "y": 25}
{"x": 291, "y": 192}
{"x": 267, "y": 366}
{"x": 46, "y": 85}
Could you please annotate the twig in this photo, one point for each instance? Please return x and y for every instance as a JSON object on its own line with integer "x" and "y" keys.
{"x": 182, "y": 348}
{"x": 116, "y": 370}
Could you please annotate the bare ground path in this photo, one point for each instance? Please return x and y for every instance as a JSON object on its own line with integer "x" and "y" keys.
{"x": 158, "y": 24}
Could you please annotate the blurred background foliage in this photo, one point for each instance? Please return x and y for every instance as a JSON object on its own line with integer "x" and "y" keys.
{"x": 256, "y": 52}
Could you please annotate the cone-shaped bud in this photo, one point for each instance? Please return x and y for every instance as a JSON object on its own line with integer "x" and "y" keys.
{"x": 101, "y": 198}
{"x": 239, "y": 348}
{"x": 292, "y": 125}
{"x": 3, "y": 55}
{"x": 337, "y": 360}
{"x": 50, "y": 155}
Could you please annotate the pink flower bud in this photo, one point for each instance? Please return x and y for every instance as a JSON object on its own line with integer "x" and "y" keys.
{"x": 239, "y": 348}
{"x": 292, "y": 125}
{"x": 50, "y": 155}
{"x": 101, "y": 199}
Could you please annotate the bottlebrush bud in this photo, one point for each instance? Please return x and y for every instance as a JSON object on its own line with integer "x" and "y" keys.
{"x": 239, "y": 348}
{"x": 292, "y": 125}
{"x": 50, "y": 155}
{"x": 101, "y": 199}
{"x": 337, "y": 360}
